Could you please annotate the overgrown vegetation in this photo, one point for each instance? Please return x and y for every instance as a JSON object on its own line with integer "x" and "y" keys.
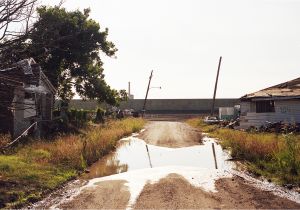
{"x": 68, "y": 45}
{"x": 205, "y": 128}
{"x": 275, "y": 156}
{"x": 31, "y": 170}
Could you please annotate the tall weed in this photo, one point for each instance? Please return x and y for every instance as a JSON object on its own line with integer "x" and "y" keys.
{"x": 288, "y": 158}
{"x": 46, "y": 164}
{"x": 276, "y": 156}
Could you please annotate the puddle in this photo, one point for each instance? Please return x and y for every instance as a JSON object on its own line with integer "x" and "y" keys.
{"x": 132, "y": 155}
{"x": 195, "y": 163}
{"x": 137, "y": 179}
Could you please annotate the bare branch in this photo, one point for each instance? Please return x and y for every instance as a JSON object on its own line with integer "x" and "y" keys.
{"x": 12, "y": 12}
{"x": 5, "y": 30}
{"x": 61, "y": 3}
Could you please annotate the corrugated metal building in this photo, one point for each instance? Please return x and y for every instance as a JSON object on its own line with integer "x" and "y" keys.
{"x": 277, "y": 103}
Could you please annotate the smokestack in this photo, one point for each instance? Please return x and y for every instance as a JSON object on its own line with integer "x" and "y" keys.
{"x": 129, "y": 89}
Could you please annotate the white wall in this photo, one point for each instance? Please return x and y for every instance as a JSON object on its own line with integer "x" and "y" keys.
{"x": 285, "y": 110}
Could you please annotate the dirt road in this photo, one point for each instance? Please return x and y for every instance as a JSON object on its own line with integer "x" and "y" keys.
{"x": 106, "y": 195}
{"x": 170, "y": 134}
{"x": 175, "y": 192}
{"x": 174, "y": 187}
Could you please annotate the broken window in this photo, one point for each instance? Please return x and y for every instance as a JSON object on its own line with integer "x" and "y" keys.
{"x": 29, "y": 105}
{"x": 29, "y": 96}
{"x": 265, "y": 106}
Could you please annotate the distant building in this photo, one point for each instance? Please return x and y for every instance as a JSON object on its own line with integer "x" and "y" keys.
{"x": 130, "y": 96}
{"x": 277, "y": 103}
{"x": 26, "y": 96}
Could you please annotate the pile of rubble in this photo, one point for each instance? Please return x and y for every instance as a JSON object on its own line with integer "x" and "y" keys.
{"x": 277, "y": 127}
{"x": 271, "y": 127}
{"x": 230, "y": 124}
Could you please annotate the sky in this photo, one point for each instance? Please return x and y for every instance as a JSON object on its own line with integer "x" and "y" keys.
{"x": 182, "y": 40}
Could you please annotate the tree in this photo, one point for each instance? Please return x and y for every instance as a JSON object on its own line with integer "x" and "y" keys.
{"x": 123, "y": 95}
{"x": 15, "y": 17}
{"x": 13, "y": 12}
{"x": 67, "y": 45}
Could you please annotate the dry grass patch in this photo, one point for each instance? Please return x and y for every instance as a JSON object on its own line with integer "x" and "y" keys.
{"x": 275, "y": 156}
{"x": 44, "y": 165}
{"x": 4, "y": 140}
{"x": 203, "y": 127}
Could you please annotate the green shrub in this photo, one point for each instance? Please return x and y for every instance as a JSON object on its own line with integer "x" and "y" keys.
{"x": 100, "y": 113}
{"x": 288, "y": 158}
{"x": 79, "y": 117}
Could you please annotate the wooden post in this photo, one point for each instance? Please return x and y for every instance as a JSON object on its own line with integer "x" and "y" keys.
{"x": 214, "y": 153}
{"x": 148, "y": 155}
{"x": 144, "y": 106}
{"x": 216, "y": 85}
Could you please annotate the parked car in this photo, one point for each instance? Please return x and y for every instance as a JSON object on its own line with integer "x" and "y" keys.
{"x": 212, "y": 120}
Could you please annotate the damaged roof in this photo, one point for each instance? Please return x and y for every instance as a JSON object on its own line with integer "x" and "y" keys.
{"x": 289, "y": 89}
{"x": 24, "y": 72}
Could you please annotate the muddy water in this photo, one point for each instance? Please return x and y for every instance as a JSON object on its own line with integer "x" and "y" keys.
{"x": 132, "y": 155}
{"x": 195, "y": 163}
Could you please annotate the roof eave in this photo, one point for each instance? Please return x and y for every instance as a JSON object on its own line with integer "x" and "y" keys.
{"x": 270, "y": 98}
{"x": 46, "y": 80}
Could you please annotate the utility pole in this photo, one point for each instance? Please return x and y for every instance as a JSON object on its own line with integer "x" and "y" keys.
{"x": 144, "y": 106}
{"x": 215, "y": 91}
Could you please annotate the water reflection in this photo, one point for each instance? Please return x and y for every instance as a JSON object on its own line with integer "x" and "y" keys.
{"x": 197, "y": 161}
{"x": 102, "y": 168}
{"x": 131, "y": 154}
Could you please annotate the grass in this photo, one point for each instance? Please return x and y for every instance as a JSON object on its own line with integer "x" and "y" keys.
{"x": 198, "y": 123}
{"x": 40, "y": 166}
{"x": 274, "y": 156}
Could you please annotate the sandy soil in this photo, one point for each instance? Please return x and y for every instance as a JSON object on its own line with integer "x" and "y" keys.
{"x": 106, "y": 195}
{"x": 170, "y": 134}
{"x": 175, "y": 192}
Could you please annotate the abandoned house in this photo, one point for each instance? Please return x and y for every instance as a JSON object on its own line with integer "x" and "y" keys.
{"x": 274, "y": 104}
{"x": 26, "y": 96}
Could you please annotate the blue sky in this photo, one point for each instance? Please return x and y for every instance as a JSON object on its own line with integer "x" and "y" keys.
{"x": 181, "y": 40}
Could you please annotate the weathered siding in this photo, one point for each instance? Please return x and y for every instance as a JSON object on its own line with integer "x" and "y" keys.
{"x": 20, "y": 124}
{"x": 245, "y": 108}
{"x": 29, "y": 108}
{"x": 285, "y": 110}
